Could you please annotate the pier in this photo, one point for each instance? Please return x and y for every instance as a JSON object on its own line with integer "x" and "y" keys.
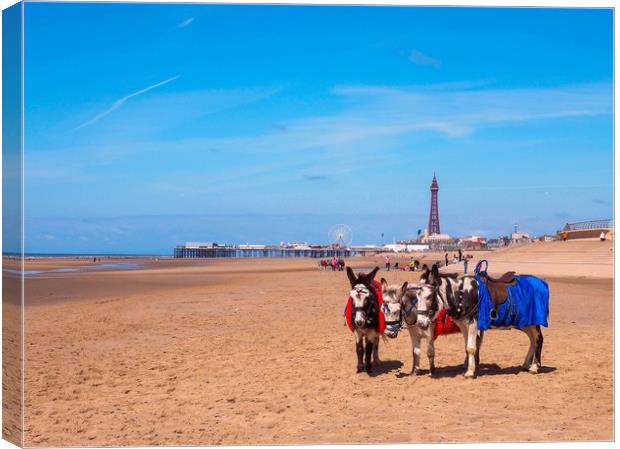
{"x": 196, "y": 252}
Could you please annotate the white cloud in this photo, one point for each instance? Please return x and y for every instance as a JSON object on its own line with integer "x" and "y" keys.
{"x": 367, "y": 118}
{"x": 459, "y": 112}
{"x": 419, "y": 58}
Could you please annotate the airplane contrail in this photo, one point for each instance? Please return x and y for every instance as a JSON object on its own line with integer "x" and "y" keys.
{"x": 118, "y": 103}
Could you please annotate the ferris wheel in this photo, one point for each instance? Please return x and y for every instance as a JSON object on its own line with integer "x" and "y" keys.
{"x": 340, "y": 235}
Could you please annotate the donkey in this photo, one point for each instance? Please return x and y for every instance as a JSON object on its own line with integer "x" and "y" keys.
{"x": 445, "y": 288}
{"x": 365, "y": 317}
{"x": 420, "y": 313}
{"x": 468, "y": 302}
{"x": 460, "y": 297}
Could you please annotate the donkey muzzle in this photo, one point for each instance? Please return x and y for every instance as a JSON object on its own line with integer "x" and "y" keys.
{"x": 391, "y": 330}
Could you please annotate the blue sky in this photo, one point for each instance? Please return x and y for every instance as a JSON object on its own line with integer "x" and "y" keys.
{"x": 150, "y": 125}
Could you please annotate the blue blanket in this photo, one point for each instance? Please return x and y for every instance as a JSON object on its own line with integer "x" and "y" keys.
{"x": 527, "y": 304}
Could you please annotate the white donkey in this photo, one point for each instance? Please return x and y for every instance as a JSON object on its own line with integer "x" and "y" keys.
{"x": 445, "y": 288}
{"x": 420, "y": 310}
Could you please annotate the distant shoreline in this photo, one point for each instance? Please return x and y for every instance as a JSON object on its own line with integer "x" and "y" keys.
{"x": 81, "y": 256}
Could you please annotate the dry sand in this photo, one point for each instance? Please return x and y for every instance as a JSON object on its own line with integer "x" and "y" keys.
{"x": 255, "y": 351}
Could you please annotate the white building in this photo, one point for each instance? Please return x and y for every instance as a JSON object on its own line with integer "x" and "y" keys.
{"x": 197, "y": 245}
{"x": 519, "y": 237}
{"x": 437, "y": 238}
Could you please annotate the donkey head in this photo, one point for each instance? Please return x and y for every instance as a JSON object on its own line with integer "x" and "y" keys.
{"x": 466, "y": 297}
{"x": 392, "y": 307}
{"x": 364, "y": 297}
{"x": 427, "y": 295}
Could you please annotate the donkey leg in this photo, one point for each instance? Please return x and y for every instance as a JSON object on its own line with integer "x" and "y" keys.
{"x": 359, "y": 348}
{"x": 375, "y": 351}
{"x": 472, "y": 334}
{"x": 536, "y": 340}
{"x": 539, "y": 344}
{"x": 464, "y": 331}
{"x": 430, "y": 351}
{"x": 415, "y": 344}
{"x": 369, "y": 348}
{"x": 463, "y": 328}
{"x": 478, "y": 344}
{"x": 527, "y": 363}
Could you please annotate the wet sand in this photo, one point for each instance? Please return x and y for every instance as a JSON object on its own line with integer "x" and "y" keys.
{"x": 254, "y": 351}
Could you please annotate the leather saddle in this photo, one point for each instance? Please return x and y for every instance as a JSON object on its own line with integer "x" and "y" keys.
{"x": 498, "y": 287}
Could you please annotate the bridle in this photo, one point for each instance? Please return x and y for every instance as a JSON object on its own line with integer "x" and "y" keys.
{"x": 403, "y": 312}
{"x": 431, "y": 312}
{"x": 367, "y": 308}
{"x": 464, "y": 316}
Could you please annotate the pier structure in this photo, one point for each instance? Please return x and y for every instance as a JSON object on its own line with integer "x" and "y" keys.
{"x": 195, "y": 251}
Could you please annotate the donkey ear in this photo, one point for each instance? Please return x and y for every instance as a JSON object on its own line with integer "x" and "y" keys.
{"x": 435, "y": 272}
{"x": 424, "y": 271}
{"x": 403, "y": 289}
{"x": 384, "y": 283}
{"x": 351, "y": 276}
{"x": 370, "y": 276}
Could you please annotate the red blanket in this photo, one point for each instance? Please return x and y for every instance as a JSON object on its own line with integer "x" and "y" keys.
{"x": 378, "y": 289}
{"x": 444, "y": 325}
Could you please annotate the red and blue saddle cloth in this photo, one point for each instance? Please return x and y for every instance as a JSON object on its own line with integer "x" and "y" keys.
{"x": 527, "y": 304}
{"x": 378, "y": 290}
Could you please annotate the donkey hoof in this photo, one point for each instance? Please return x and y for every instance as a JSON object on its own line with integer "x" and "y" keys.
{"x": 360, "y": 368}
{"x": 369, "y": 369}
{"x": 469, "y": 375}
{"x": 533, "y": 369}
{"x": 416, "y": 371}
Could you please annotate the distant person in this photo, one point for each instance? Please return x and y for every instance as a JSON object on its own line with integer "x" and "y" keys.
{"x": 334, "y": 263}
{"x": 564, "y": 235}
{"x": 446, "y": 257}
{"x": 602, "y": 236}
{"x": 387, "y": 263}
{"x": 396, "y": 266}
{"x": 465, "y": 262}
{"x": 412, "y": 264}
{"x": 460, "y": 255}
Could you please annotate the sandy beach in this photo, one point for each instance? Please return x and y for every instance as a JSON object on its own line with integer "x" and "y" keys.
{"x": 255, "y": 351}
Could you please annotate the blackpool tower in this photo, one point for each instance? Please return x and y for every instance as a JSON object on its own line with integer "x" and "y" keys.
{"x": 433, "y": 218}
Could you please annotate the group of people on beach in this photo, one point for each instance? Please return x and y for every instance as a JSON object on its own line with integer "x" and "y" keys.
{"x": 413, "y": 265}
{"x": 335, "y": 264}
{"x": 456, "y": 258}
{"x": 459, "y": 257}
